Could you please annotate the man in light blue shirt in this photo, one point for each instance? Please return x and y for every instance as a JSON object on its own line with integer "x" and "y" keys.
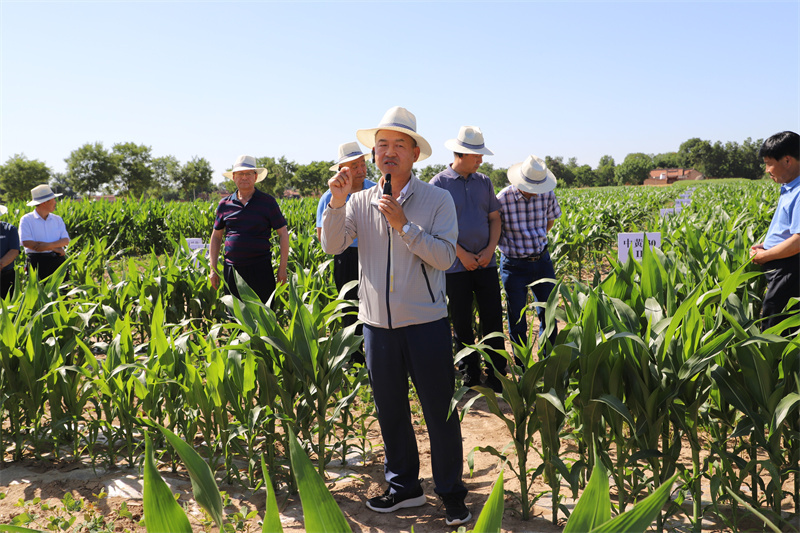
{"x": 779, "y": 254}
{"x": 345, "y": 264}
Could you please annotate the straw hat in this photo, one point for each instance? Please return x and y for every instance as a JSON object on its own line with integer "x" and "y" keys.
{"x": 532, "y": 175}
{"x": 469, "y": 141}
{"x": 246, "y": 162}
{"x": 347, "y": 152}
{"x": 42, "y": 193}
{"x": 397, "y": 119}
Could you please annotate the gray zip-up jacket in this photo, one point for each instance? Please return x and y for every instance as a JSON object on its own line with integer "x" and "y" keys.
{"x": 401, "y": 279}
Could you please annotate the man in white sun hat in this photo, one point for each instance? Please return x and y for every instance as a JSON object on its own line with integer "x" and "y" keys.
{"x": 406, "y": 240}
{"x": 345, "y": 264}
{"x": 43, "y": 233}
{"x": 474, "y": 272}
{"x": 9, "y": 251}
{"x": 246, "y": 220}
{"x": 528, "y": 210}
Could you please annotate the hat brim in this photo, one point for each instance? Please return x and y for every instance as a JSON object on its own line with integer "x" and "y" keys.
{"x": 518, "y": 180}
{"x": 33, "y": 203}
{"x": 367, "y": 138}
{"x": 454, "y": 146}
{"x": 335, "y": 166}
{"x": 261, "y": 173}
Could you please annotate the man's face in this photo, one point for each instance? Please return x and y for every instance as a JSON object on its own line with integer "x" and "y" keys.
{"x": 395, "y": 152}
{"x": 47, "y": 207}
{"x": 245, "y": 180}
{"x": 358, "y": 171}
{"x": 470, "y": 162}
{"x": 782, "y": 170}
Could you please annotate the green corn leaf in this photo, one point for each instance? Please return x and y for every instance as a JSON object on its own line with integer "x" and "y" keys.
{"x": 204, "y": 486}
{"x": 272, "y": 519}
{"x": 640, "y": 516}
{"x": 320, "y": 510}
{"x": 161, "y": 512}
{"x": 594, "y": 506}
{"x": 18, "y": 529}
{"x": 491, "y": 517}
{"x": 785, "y": 406}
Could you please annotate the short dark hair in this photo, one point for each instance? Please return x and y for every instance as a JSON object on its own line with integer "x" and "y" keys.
{"x": 458, "y": 154}
{"x": 780, "y": 145}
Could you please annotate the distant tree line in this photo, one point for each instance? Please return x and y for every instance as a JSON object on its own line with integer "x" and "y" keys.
{"x": 128, "y": 169}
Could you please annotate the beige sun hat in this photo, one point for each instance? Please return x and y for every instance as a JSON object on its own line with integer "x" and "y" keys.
{"x": 347, "y": 152}
{"x": 469, "y": 141}
{"x": 42, "y": 193}
{"x": 532, "y": 175}
{"x": 397, "y": 119}
{"x": 246, "y": 162}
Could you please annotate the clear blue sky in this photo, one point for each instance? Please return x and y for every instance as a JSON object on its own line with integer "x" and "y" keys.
{"x": 218, "y": 79}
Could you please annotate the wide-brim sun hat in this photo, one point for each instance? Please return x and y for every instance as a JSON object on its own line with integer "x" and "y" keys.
{"x": 246, "y": 162}
{"x": 397, "y": 119}
{"x": 469, "y": 141}
{"x": 532, "y": 176}
{"x": 347, "y": 152}
{"x": 42, "y": 193}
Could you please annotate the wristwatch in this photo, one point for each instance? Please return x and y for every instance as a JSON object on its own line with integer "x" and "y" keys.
{"x": 406, "y": 228}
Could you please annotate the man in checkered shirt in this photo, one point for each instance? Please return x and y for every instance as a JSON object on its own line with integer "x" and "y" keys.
{"x": 528, "y": 210}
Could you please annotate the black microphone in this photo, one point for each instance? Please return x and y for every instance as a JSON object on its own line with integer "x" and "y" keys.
{"x": 387, "y": 185}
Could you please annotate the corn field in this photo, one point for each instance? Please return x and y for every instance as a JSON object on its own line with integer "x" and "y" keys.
{"x": 653, "y": 358}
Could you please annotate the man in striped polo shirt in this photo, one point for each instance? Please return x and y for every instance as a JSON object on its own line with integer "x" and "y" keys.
{"x": 246, "y": 219}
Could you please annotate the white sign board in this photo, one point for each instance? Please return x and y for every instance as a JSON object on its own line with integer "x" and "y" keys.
{"x": 195, "y": 243}
{"x": 667, "y": 211}
{"x": 634, "y": 243}
{"x": 682, "y": 202}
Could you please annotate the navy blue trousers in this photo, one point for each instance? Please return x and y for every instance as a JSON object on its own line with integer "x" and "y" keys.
{"x": 424, "y": 352}
{"x": 517, "y": 275}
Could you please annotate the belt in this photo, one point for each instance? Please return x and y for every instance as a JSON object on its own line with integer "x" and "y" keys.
{"x": 533, "y": 257}
{"x": 42, "y": 254}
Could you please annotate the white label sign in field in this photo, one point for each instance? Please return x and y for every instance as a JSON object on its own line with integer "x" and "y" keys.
{"x": 634, "y": 243}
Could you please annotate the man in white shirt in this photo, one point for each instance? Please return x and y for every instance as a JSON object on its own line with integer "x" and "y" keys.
{"x": 43, "y": 234}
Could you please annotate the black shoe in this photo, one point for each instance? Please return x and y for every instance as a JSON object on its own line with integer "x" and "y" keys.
{"x": 457, "y": 513}
{"x": 387, "y": 502}
{"x": 472, "y": 380}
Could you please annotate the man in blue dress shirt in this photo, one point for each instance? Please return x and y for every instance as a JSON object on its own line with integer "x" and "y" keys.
{"x": 779, "y": 254}
{"x": 474, "y": 272}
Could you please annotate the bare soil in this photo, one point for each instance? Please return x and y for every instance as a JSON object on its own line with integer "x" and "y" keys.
{"x": 50, "y": 481}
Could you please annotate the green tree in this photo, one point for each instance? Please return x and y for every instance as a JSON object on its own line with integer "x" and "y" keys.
{"x": 135, "y": 173}
{"x": 634, "y": 169}
{"x": 427, "y": 173}
{"x": 195, "y": 178}
{"x": 562, "y": 172}
{"x": 694, "y": 153}
{"x": 166, "y": 175}
{"x": 312, "y": 178}
{"x": 62, "y": 185}
{"x": 667, "y": 160}
{"x": 605, "y": 172}
{"x": 585, "y": 176}
{"x": 752, "y": 165}
{"x": 19, "y": 175}
{"x": 90, "y": 168}
{"x": 486, "y": 168}
{"x": 499, "y": 177}
{"x": 280, "y": 175}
